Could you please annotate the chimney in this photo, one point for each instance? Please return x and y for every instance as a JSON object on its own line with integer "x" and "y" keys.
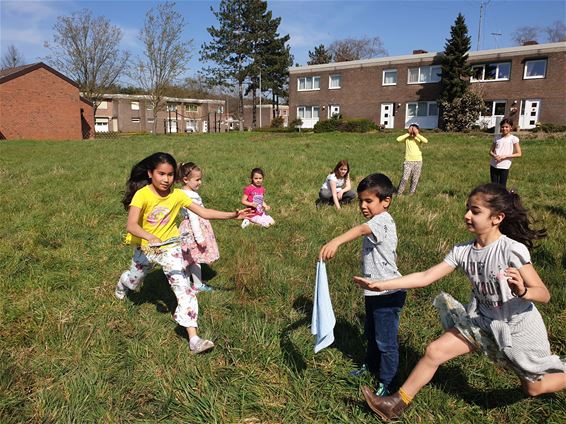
{"x": 530, "y": 43}
{"x": 419, "y": 51}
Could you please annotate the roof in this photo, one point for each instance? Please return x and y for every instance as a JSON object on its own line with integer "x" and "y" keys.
{"x": 536, "y": 49}
{"x": 167, "y": 99}
{"x": 12, "y": 73}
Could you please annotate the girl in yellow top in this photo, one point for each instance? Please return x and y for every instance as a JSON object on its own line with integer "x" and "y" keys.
{"x": 413, "y": 158}
{"x": 152, "y": 206}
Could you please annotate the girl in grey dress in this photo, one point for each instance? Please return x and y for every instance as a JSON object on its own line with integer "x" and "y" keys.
{"x": 501, "y": 319}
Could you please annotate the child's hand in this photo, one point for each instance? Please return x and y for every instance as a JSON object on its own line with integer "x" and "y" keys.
{"x": 367, "y": 284}
{"x": 154, "y": 240}
{"x": 515, "y": 281}
{"x": 244, "y": 213}
{"x": 329, "y": 250}
{"x": 267, "y": 208}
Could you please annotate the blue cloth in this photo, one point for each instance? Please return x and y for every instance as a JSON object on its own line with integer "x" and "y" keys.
{"x": 323, "y": 319}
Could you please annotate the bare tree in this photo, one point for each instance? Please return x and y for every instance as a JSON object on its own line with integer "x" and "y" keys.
{"x": 86, "y": 49}
{"x": 524, "y": 34}
{"x": 166, "y": 55}
{"x": 356, "y": 49}
{"x": 555, "y": 32}
{"x": 12, "y": 58}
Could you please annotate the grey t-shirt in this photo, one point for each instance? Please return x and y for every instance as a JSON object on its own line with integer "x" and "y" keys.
{"x": 485, "y": 268}
{"x": 379, "y": 255}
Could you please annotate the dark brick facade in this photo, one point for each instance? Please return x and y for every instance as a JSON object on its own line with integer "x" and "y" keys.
{"x": 39, "y": 103}
{"x": 362, "y": 93}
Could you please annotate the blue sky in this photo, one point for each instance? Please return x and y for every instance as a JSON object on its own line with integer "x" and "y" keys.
{"x": 402, "y": 25}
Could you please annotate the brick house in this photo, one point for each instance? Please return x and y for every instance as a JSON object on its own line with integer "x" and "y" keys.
{"x": 525, "y": 83}
{"x": 268, "y": 112}
{"x": 39, "y": 103}
{"x": 133, "y": 113}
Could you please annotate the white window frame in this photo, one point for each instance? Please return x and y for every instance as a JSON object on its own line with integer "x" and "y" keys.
{"x": 425, "y": 74}
{"x": 497, "y": 77}
{"x": 338, "y": 78}
{"x": 428, "y": 106}
{"x": 311, "y": 109}
{"x": 136, "y": 120}
{"x": 191, "y": 107}
{"x": 312, "y": 83}
{"x": 493, "y": 106}
{"x": 171, "y": 107}
{"x": 135, "y": 105}
{"x": 525, "y": 76}
{"x": 385, "y": 71}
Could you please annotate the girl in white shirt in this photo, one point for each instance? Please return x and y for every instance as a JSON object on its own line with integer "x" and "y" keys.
{"x": 337, "y": 188}
{"x": 504, "y": 148}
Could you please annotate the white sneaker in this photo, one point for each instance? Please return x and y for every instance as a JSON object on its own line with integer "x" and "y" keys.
{"x": 245, "y": 223}
{"x": 120, "y": 290}
{"x": 201, "y": 346}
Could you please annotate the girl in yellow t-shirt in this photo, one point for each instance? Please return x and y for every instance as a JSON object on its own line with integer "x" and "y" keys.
{"x": 153, "y": 205}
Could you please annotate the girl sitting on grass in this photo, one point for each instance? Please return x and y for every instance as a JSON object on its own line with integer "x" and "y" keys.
{"x": 198, "y": 243}
{"x": 254, "y": 197}
{"x": 337, "y": 188}
{"x": 152, "y": 206}
{"x": 501, "y": 319}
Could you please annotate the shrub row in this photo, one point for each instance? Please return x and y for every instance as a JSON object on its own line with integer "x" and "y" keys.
{"x": 345, "y": 125}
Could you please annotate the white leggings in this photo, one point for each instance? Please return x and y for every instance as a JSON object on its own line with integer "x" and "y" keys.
{"x": 411, "y": 169}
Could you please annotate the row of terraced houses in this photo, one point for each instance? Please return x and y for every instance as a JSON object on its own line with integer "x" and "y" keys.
{"x": 525, "y": 83}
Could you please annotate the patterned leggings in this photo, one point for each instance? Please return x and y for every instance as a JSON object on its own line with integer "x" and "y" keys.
{"x": 171, "y": 261}
{"x": 411, "y": 169}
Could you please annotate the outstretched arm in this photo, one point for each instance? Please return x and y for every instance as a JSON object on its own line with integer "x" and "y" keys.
{"x": 214, "y": 214}
{"x": 410, "y": 281}
{"x": 329, "y": 250}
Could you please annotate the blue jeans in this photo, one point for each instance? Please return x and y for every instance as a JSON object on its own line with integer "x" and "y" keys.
{"x": 381, "y": 328}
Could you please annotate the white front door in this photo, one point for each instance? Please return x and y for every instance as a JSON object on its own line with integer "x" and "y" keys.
{"x": 387, "y": 120}
{"x": 204, "y": 126}
{"x": 333, "y": 110}
{"x": 530, "y": 110}
{"x": 171, "y": 126}
{"x": 101, "y": 125}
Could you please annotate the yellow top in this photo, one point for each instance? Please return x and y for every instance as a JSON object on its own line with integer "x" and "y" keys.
{"x": 412, "y": 151}
{"x": 157, "y": 215}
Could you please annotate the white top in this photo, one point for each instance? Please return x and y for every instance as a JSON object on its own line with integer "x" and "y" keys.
{"x": 340, "y": 182}
{"x": 504, "y": 147}
{"x": 193, "y": 217}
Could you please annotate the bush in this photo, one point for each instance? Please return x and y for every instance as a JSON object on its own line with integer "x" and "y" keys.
{"x": 462, "y": 113}
{"x": 296, "y": 123}
{"x": 343, "y": 125}
{"x": 549, "y": 128}
{"x": 277, "y": 122}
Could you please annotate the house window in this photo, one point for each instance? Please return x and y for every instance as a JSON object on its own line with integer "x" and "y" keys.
{"x": 495, "y": 108}
{"x": 135, "y": 120}
{"x": 171, "y": 107}
{"x": 191, "y": 108}
{"x": 535, "y": 69}
{"x": 389, "y": 77}
{"x": 308, "y": 112}
{"x": 103, "y": 104}
{"x": 335, "y": 82}
{"x": 422, "y": 109}
{"x": 491, "y": 72}
{"x": 135, "y": 105}
{"x": 150, "y": 120}
{"x": 308, "y": 83}
{"x": 424, "y": 74}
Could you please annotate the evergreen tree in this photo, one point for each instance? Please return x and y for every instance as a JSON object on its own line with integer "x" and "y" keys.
{"x": 320, "y": 56}
{"x": 455, "y": 68}
{"x": 456, "y": 71}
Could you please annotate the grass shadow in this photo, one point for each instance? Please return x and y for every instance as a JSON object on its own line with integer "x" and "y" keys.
{"x": 155, "y": 289}
{"x": 291, "y": 355}
{"x": 556, "y": 210}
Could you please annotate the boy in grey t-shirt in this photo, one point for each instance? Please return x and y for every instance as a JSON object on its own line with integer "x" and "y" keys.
{"x": 379, "y": 262}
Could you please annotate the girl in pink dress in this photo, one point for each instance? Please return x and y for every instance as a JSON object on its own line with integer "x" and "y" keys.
{"x": 198, "y": 243}
{"x": 254, "y": 197}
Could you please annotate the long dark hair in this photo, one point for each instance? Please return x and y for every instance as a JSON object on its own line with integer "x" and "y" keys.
{"x": 517, "y": 224}
{"x": 340, "y": 165}
{"x": 139, "y": 177}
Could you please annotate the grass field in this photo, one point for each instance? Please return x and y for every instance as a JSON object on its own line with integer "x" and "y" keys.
{"x": 72, "y": 353}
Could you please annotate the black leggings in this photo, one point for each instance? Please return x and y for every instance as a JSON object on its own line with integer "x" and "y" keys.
{"x": 499, "y": 176}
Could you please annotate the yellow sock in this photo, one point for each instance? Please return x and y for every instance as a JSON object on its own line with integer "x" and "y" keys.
{"x": 405, "y": 397}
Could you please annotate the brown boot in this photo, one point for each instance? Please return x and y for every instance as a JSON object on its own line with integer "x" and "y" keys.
{"x": 386, "y": 407}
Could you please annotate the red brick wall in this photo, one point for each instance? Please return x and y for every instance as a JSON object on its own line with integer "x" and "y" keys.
{"x": 40, "y": 106}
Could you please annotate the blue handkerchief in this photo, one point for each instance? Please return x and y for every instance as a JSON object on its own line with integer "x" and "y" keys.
{"x": 323, "y": 319}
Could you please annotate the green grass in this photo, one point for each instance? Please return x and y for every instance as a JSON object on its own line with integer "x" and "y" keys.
{"x": 72, "y": 353}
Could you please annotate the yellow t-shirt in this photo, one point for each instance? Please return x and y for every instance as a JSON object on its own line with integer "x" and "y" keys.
{"x": 157, "y": 215}
{"x": 412, "y": 151}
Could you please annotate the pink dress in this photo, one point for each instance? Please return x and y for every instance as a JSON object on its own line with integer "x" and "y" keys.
{"x": 193, "y": 228}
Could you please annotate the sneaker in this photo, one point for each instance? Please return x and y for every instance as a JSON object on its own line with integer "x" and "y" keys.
{"x": 245, "y": 223}
{"x": 359, "y": 372}
{"x": 382, "y": 390}
{"x": 121, "y": 290}
{"x": 203, "y": 287}
{"x": 201, "y": 346}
